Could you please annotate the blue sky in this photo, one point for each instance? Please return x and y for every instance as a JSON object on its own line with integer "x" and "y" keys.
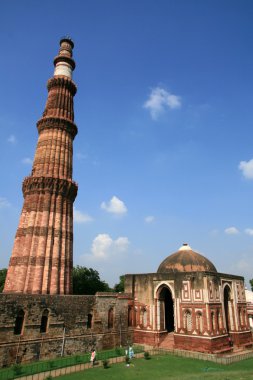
{"x": 165, "y": 118}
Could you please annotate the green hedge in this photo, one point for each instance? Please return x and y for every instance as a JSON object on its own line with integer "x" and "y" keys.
{"x": 47, "y": 365}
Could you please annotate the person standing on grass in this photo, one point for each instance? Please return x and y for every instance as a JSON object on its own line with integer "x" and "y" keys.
{"x": 93, "y": 357}
{"x": 131, "y": 352}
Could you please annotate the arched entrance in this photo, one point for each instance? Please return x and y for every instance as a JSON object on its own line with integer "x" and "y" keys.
{"x": 227, "y": 301}
{"x": 166, "y": 309}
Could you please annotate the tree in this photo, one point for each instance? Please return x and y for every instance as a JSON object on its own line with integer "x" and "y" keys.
{"x": 3, "y": 273}
{"x": 251, "y": 284}
{"x": 87, "y": 281}
{"x": 121, "y": 285}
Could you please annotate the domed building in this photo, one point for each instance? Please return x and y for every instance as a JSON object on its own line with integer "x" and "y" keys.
{"x": 187, "y": 304}
{"x": 186, "y": 260}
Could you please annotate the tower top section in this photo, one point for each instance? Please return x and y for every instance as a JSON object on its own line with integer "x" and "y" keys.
{"x": 67, "y": 39}
{"x": 63, "y": 62}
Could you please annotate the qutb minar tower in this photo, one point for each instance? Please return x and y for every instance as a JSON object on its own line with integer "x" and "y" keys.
{"x": 42, "y": 256}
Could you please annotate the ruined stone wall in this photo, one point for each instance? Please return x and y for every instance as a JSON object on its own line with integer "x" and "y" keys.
{"x": 67, "y": 325}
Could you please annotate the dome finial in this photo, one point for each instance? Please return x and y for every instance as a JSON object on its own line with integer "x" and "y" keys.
{"x": 185, "y": 247}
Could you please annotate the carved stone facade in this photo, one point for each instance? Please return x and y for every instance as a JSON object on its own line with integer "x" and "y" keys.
{"x": 187, "y": 304}
{"x": 42, "y": 257}
{"x": 249, "y": 299}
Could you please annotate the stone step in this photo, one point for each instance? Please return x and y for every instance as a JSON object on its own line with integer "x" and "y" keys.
{"x": 167, "y": 341}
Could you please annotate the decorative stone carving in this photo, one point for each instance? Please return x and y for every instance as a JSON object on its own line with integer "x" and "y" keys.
{"x": 52, "y": 185}
{"x": 42, "y": 257}
{"x": 65, "y": 125}
{"x": 63, "y": 82}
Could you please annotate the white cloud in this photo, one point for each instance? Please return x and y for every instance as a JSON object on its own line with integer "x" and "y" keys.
{"x": 27, "y": 161}
{"x": 231, "y": 231}
{"x": 4, "y": 202}
{"x": 247, "y": 168}
{"x": 80, "y": 217}
{"x": 149, "y": 219}
{"x": 104, "y": 246}
{"x": 249, "y": 231}
{"x": 121, "y": 244}
{"x": 12, "y": 139}
{"x": 114, "y": 206}
{"x": 159, "y": 100}
{"x": 101, "y": 245}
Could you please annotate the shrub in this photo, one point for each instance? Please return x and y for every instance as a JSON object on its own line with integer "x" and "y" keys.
{"x": 127, "y": 359}
{"x": 147, "y": 355}
{"x": 106, "y": 364}
{"x": 51, "y": 365}
{"x": 17, "y": 369}
{"x": 78, "y": 359}
{"x": 118, "y": 351}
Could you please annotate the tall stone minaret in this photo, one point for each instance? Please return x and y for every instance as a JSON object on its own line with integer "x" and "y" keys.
{"x": 42, "y": 256}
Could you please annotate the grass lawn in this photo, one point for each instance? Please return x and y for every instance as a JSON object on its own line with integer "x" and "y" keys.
{"x": 168, "y": 367}
{"x": 47, "y": 365}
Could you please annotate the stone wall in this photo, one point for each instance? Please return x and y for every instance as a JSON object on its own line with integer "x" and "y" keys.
{"x": 68, "y": 328}
{"x": 201, "y": 344}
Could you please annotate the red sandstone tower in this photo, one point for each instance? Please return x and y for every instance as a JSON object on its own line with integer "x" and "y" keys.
{"x": 42, "y": 256}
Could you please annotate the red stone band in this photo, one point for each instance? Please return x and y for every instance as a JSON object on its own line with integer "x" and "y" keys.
{"x": 41, "y": 261}
{"x": 64, "y": 187}
{"x": 44, "y": 231}
{"x": 53, "y": 122}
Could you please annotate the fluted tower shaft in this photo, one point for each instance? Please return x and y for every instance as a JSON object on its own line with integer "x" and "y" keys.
{"x": 42, "y": 256}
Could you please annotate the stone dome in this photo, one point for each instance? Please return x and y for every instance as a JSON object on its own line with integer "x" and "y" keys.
{"x": 186, "y": 260}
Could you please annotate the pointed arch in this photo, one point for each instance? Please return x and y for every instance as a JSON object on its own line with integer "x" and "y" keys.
{"x": 199, "y": 322}
{"x": 19, "y": 322}
{"x": 130, "y": 317}
{"x": 188, "y": 320}
{"x": 143, "y": 317}
{"x": 227, "y": 304}
{"x": 89, "y": 321}
{"x": 110, "y": 318}
{"x": 165, "y": 307}
{"x": 161, "y": 285}
{"x": 44, "y": 321}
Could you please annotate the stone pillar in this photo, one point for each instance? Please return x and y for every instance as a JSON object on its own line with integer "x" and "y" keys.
{"x": 42, "y": 256}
